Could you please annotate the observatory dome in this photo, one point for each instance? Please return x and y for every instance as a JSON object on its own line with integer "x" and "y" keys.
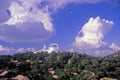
{"x": 53, "y": 47}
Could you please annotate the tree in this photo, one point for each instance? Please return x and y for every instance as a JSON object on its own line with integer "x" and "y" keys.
{"x": 23, "y": 67}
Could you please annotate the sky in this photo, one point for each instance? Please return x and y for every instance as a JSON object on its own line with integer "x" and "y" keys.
{"x": 85, "y": 26}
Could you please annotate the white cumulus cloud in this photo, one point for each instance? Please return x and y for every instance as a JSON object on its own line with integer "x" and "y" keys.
{"x": 28, "y": 11}
{"x": 27, "y": 22}
{"x": 92, "y": 34}
{"x": 114, "y": 46}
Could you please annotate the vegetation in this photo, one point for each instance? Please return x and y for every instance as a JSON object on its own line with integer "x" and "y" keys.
{"x": 61, "y": 66}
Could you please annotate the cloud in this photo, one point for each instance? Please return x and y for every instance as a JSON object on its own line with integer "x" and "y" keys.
{"x": 24, "y": 32}
{"x": 103, "y": 52}
{"x": 4, "y": 16}
{"x": 114, "y": 46}
{"x": 28, "y": 11}
{"x": 27, "y": 22}
{"x": 3, "y": 49}
{"x": 6, "y": 50}
{"x": 57, "y": 4}
{"x": 92, "y": 34}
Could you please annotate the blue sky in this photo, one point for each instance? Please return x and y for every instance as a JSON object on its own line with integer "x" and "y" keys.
{"x": 85, "y": 26}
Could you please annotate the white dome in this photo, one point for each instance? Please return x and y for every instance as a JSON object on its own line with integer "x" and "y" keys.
{"x": 53, "y": 47}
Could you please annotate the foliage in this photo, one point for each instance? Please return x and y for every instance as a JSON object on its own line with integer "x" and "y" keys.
{"x": 66, "y": 65}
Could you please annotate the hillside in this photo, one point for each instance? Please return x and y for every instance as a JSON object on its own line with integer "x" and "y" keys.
{"x": 59, "y": 66}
